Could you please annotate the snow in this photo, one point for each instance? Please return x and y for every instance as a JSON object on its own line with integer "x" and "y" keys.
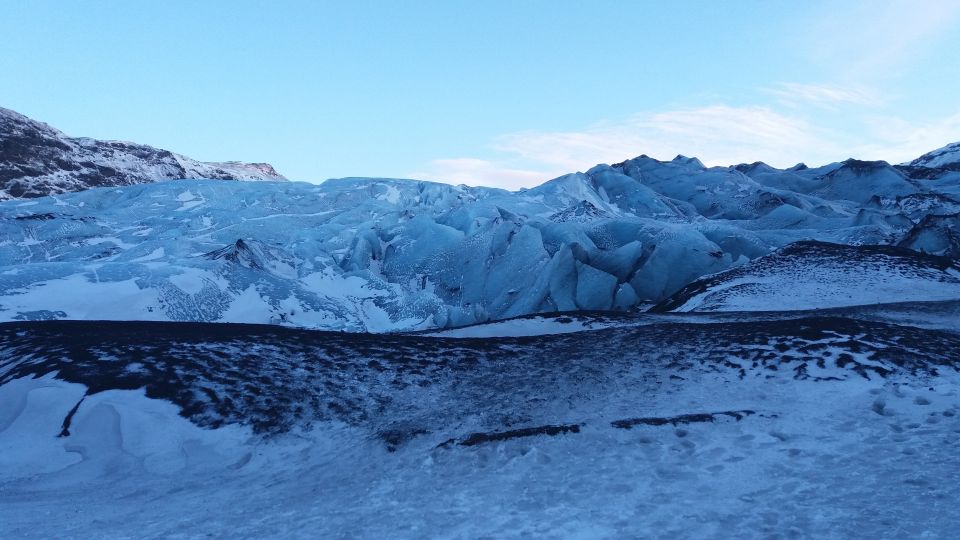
{"x": 112, "y": 240}
{"x": 392, "y": 195}
{"x": 191, "y": 281}
{"x": 28, "y": 404}
{"x": 852, "y": 457}
{"x": 248, "y": 306}
{"x": 824, "y": 276}
{"x": 152, "y": 256}
{"x": 821, "y": 291}
{"x": 83, "y": 296}
{"x": 941, "y": 157}
{"x": 526, "y": 326}
{"x": 189, "y": 201}
{"x": 112, "y": 432}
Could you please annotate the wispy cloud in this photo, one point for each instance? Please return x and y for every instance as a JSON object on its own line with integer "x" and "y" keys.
{"x": 897, "y": 140}
{"x": 870, "y": 39}
{"x": 829, "y": 96}
{"x": 717, "y": 134}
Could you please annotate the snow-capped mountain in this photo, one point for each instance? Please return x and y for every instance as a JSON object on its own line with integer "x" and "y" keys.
{"x": 38, "y": 160}
{"x": 948, "y": 156}
{"x": 939, "y": 169}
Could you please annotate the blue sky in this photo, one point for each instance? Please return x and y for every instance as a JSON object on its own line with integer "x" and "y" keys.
{"x": 493, "y": 93}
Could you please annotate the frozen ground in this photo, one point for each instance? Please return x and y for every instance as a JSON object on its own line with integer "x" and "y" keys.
{"x": 678, "y": 426}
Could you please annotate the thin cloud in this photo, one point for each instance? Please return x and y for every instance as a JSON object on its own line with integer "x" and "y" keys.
{"x": 870, "y": 39}
{"x": 824, "y": 95}
{"x": 718, "y": 135}
{"x": 898, "y": 140}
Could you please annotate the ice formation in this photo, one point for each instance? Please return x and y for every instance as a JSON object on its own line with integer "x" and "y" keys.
{"x": 369, "y": 254}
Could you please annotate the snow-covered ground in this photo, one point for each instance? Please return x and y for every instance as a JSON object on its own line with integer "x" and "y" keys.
{"x": 853, "y": 459}
{"x": 931, "y": 315}
{"x": 539, "y": 325}
{"x": 671, "y": 430}
{"x": 815, "y": 275}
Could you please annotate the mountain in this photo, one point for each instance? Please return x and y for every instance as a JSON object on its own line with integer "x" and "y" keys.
{"x": 948, "y": 156}
{"x": 37, "y": 160}
{"x": 939, "y": 169}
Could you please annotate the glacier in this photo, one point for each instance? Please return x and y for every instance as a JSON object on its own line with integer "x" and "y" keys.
{"x": 376, "y": 254}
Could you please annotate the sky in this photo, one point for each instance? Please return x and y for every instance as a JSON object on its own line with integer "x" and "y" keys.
{"x": 496, "y": 93}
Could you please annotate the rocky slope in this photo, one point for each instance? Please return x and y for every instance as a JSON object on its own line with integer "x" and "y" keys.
{"x": 38, "y": 160}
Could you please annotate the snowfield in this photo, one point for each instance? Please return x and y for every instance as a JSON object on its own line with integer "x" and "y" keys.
{"x": 814, "y": 426}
